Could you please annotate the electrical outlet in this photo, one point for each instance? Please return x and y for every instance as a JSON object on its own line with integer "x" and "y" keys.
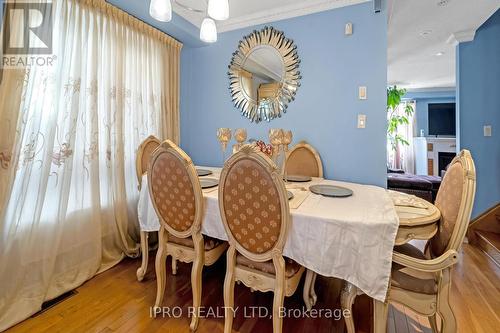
{"x": 348, "y": 29}
{"x": 487, "y": 130}
{"x": 361, "y": 120}
{"x": 362, "y": 92}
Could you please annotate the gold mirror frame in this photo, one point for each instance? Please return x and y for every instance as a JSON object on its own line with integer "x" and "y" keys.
{"x": 288, "y": 86}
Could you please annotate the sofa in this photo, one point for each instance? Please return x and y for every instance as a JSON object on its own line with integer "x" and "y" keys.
{"x": 425, "y": 187}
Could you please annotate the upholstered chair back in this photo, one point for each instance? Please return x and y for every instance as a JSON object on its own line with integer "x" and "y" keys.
{"x": 144, "y": 152}
{"x": 253, "y": 204}
{"x": 304, "y": 160}
{"x": 175, "y": 189}
{"x": 454, "y": 199}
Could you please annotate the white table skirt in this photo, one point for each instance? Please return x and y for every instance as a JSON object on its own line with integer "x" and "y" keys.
{"x": 348, "y": 238}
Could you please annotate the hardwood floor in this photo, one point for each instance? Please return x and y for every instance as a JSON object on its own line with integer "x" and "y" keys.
{"x": 115, "y": 302}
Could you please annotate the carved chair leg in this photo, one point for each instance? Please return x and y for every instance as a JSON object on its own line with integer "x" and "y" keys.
{"x": 312, "y": 291}
{"x": 160, "y": 266}
{"x": 141, "y": 271}
{"x": 448, "y": 319}
{"x": 196, "y": 278}
{"x": 174, "y": 266}
{"x": 229, "y": 289}
{"x": 433, "y": 323}
{"x": 380, "y": 312}
{"x": 347, "y": 297}
{"x": 279, "y": 293}
{"x": 306, "y": 294}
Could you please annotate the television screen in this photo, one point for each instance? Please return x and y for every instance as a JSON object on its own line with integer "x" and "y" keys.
{"x": 442, "y": 119}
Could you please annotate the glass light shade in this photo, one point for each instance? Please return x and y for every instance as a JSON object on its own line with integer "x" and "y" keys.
{"x": 161, "y": 10}
{"x": 208, "y": 30}
{"x": 218, "y": 9}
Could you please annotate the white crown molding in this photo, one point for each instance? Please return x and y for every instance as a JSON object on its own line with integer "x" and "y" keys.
{"x": 461, "y": 37}
{"x": 274, "y": 14}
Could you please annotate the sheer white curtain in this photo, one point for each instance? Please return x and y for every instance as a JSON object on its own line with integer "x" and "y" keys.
{"x": 404, "y": 156}
{"x": 68, "y": 154}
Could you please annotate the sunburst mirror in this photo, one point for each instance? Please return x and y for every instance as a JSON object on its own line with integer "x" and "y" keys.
{"x": 264, "y": 74}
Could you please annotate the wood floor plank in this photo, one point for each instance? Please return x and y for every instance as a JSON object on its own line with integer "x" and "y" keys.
{"x": 114, "y": 301}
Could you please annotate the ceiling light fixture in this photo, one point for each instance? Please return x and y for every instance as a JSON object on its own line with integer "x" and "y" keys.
{"x": 161, "y": 10}
{"x": 439, "y": 54}
{"x": 218, "y": 9}
{"x": 442, "y": 3}
{"x": 425, "y": 33}
{"x": 208, "y": 30}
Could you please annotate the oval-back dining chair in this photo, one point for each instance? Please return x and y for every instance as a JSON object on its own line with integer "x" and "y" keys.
{"x": 144, "y": 153}
{"x": 304, "y": 160}
{"x": 421, "y": 280}
{"x": 178, "y": 201}
{"x": 254, "y": 208}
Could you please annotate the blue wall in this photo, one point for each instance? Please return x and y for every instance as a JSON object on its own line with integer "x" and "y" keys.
{"x": 478, "y": 83}
{"x": 326, "y": 106}
{"x": 423, "y": 99}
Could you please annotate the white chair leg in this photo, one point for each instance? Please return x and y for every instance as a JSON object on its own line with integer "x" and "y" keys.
{"x": 306, "y": 294}
{"x": 174, "y": 266}
{"x": 141, "y": 271}
{"x": 312, "y": 291}
{"x": 380, "y": 313}
{"x": 347, "y": 297}
{"x": 196, "y": 284}
{"x": 279, "y": 293}
{"x": 229, "y": 289}
{"x": 433, "y": 323}
{"x": 448, "y": 319}
{"x": 160, "y": 266}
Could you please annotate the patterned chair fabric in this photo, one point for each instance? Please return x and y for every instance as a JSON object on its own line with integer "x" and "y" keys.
{"x": 209, "y": 242}
{"x": 172, "y": 192}
{"x": 252, "y": 206}
{"x": 448, "y": 201}
{"x": 302, "y": 161}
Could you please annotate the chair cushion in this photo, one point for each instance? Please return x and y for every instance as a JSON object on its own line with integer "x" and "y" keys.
{"x": 291, "y": 267}
{"x": 210, "y": 243}
{"x": 410, "y": 279}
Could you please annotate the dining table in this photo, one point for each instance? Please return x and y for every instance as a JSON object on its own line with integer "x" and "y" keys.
{"x": 349, "y": 238}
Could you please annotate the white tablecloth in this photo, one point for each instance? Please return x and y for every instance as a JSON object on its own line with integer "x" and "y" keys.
{"x": 348, "y": 238}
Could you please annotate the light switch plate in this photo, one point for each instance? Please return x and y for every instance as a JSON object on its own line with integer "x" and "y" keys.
{"x": 362, "y": 92}
{"x": 348, "y": 29}
{"x": 487, "y": 130}
{"x": 361, "y": 120}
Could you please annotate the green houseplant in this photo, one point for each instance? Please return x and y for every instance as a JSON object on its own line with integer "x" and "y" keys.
{"x": 396, "y": 118}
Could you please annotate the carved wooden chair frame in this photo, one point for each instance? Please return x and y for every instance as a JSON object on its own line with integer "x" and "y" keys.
{"x": 253, "y": 278}
{"x": 143, "y": 159}
{"x": 425, "y": 304}
{"x": 197, "y": 255}
{"x": 305, "y": 145}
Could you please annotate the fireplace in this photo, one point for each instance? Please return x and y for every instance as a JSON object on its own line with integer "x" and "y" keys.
{"x": 443, "y": 160}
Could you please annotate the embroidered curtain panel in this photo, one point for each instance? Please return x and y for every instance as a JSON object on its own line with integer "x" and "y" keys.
{"x": 68, "y": 139}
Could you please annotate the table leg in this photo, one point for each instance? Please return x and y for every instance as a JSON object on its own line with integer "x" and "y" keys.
{"x": 380, "y": 312}
{"x": 347, "y": 296}
{"x": 141, "y": 271}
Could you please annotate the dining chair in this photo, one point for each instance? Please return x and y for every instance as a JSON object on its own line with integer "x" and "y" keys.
{"x": 304, "y": 160}
{"x": 144, "y": 152}
{"x": 178, "y": 201}
{"x": 421, "y": 280}
{"x": 254, "y": 208}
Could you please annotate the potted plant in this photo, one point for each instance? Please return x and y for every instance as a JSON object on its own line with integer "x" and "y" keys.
{"x": 396, "y": 118}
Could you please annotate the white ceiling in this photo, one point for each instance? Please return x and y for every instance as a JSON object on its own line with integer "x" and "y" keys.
{"x": 419, "y": 29}
{"x": 246, "y": 13}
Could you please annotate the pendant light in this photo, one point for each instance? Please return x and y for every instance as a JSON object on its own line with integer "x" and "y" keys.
{"x": 218, "y": 9}
{"x": 208, "y": 30}
{"x": 161, "y": 10}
